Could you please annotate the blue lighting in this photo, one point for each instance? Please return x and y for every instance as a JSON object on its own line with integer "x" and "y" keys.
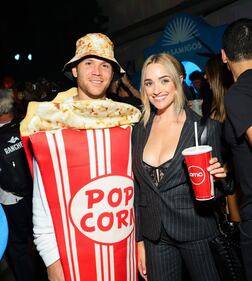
{"x": 189, "y": 68}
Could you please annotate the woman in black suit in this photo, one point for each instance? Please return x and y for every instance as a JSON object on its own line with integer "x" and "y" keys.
{"x": 173, "y": 229}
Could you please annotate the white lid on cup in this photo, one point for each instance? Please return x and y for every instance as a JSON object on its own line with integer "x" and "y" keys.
{"x": 194, "y": 150}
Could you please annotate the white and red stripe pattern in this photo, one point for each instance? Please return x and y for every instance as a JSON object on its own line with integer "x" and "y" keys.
{"x": 88, "y": 183}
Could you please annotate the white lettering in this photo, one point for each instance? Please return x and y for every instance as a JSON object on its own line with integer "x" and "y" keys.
{"x": 13, "y": 147}
{"x": 197, "y": 175}
{"x": 186, "y": 48}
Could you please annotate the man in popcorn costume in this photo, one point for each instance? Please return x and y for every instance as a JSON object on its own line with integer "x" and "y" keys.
{"x": 79, "y": 151}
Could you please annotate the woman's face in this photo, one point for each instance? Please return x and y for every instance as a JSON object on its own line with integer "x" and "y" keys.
{"x": 159, "y": 87}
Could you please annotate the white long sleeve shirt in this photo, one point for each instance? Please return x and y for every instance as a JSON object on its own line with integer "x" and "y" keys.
{"x": 43, "y": 230}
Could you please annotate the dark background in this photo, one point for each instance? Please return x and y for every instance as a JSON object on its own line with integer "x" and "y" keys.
{"x": 46, "y": 29}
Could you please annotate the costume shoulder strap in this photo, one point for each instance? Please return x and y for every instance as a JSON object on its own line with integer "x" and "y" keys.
{"x": 62, "y": 96}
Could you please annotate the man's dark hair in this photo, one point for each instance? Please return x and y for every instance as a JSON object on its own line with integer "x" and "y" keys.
{"x": 237, "y": 40}
{"x": 196, "y": 75}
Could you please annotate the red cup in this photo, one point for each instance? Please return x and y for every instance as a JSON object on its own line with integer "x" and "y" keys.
{"x": 197, "y": 160}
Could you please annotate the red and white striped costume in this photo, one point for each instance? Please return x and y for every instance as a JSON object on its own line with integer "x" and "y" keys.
{"x": 87, "y": 179}
{"x": 83, "y": 198}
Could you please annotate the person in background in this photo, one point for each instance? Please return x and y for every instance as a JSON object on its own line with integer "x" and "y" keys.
{"x": 237, "y": 54}
{"x": 197, "y": 79}
{"x": 9, "y": 82}
{"x": 173, "y": 229}
{"x": 201, "y": 91}
{"x": 16, "y": 194}
{"x": 122, "y": 90}
{"x": 220, "y": 79}
{"x": 188, "y": 91}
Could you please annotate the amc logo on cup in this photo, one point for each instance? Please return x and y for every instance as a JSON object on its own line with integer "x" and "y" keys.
{"x": 197, "y": 175}
{"x": 197, "y": 160}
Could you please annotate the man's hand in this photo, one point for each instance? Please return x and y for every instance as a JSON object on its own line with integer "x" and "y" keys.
{"x": 55, "y": 272}
{"x": 249, "y": 135}
{"x": 141, "y": 260}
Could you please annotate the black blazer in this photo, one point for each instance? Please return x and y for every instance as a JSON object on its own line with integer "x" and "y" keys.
{"x": 172, "y": 203}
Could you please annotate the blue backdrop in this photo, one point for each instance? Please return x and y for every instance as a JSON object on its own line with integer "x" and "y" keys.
{"x": 188, "y": 38}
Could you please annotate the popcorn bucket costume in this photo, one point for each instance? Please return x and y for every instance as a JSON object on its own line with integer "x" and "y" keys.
{"x": 83, "y": 169}
{"x": 79, "y": 153}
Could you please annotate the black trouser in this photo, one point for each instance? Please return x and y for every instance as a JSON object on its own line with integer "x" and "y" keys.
{"x": 21, "y": 255}
{"x": 166, "y": 259}
{"x": 246, "y": 246}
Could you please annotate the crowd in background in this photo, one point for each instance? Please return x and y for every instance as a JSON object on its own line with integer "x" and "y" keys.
{"x": 43, "y": 89}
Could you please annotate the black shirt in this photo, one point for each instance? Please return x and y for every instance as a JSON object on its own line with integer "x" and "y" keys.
{"x": 238, "y": 105}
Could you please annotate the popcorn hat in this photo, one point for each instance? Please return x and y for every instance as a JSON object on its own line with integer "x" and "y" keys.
{"x": 93, "y": 44}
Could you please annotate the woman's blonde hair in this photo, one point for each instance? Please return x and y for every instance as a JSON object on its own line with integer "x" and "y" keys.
{"x": 175, "y": 71}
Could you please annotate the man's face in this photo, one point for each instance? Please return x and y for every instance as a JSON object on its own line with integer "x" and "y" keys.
{"x": 93, "y": 78}
{"x": 196, "y": 83}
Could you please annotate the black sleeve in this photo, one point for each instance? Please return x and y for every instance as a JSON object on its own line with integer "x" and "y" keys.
{"x": 139, "y": 236}
{"x": 214, "y": 138}
{"x": 238, "y": 108}
{"x": 136, "y": 189}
